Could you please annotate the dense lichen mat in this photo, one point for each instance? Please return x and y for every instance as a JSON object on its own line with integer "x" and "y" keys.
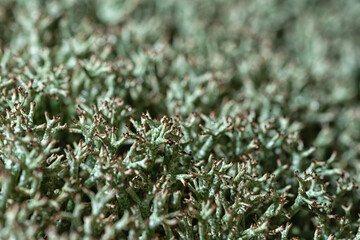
{"x": 185, "y": 119}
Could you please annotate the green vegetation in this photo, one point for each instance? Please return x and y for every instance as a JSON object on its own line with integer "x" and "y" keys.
{"x": 182, "y": 119}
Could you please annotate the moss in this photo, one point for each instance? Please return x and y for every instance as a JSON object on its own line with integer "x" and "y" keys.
{"x": 179, "y": 119}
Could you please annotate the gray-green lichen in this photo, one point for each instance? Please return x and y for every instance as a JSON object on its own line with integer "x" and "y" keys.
{"x": 179, "y": 119}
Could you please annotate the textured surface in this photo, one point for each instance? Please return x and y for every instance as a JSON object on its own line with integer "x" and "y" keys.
{"x": 179, "y": 119}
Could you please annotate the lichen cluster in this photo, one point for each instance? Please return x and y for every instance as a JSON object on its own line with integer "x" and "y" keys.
{"x": 179, "y": 119}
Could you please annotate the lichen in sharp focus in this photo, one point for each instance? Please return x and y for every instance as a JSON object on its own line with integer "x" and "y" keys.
{"x": 179, "y": 120}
